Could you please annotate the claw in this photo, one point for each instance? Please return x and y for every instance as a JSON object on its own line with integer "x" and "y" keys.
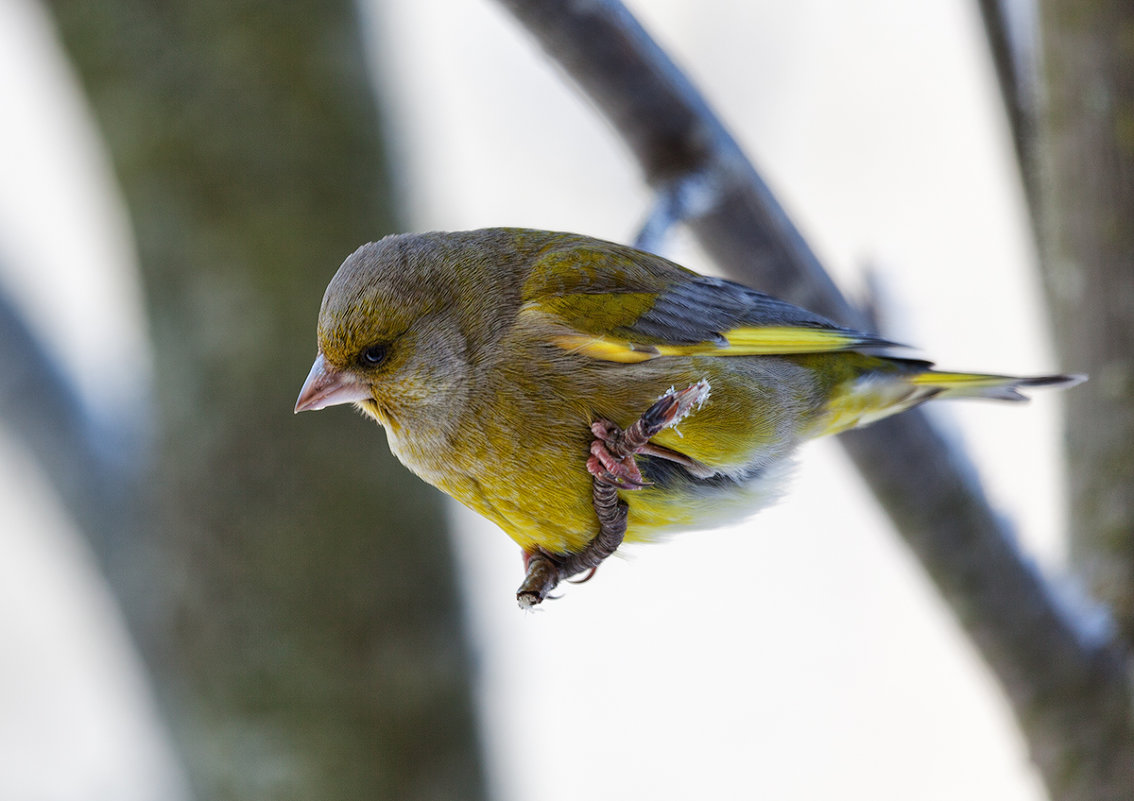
{"x": 590, "y": 575}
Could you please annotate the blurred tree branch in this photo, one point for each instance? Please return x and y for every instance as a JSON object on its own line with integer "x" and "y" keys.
{"x": 1016, "y": 81}
{"x": 92, "y": 468}
{"x": 1070, "y": 691}
{"x": 270, "y": 569}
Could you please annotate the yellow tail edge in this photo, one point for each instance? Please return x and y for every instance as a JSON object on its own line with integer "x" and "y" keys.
{"x": 993, "y": 387}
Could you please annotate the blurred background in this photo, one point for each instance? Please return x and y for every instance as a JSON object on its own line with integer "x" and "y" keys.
{"x": 202, "y": 596}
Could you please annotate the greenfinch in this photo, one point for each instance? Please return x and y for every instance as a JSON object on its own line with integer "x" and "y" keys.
{"x": 578, "y": 392}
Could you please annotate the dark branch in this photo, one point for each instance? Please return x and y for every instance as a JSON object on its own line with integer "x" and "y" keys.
{"x": 88, "y": 465}
{"x": 1052, "y": 672}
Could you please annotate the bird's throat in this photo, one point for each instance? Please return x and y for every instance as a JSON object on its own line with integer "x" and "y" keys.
{"x": 371, "y": 409}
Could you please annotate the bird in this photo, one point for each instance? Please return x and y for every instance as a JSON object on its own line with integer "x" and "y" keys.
{"x": 581, "y": 393}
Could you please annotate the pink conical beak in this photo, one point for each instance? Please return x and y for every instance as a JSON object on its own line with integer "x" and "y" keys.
{"x": 326, "y": 386}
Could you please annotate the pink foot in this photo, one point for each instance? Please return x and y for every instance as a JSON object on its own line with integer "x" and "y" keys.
{"x": 613, "y": 467}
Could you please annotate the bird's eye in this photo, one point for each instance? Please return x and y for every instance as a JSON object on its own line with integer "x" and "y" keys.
{"x": 373, "y": 356}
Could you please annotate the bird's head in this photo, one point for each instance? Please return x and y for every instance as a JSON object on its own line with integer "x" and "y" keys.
{"x": 389, "y": 336}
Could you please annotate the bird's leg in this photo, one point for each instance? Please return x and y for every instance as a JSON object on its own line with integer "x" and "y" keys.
{"x": 612, "y": 466}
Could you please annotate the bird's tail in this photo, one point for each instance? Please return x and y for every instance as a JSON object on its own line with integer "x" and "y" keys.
{"x": 877, "y": 394}
{"x": 980, "y": 385}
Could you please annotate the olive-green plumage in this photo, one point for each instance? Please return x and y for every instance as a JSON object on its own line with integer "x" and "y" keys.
{"x": 487, "y": 354}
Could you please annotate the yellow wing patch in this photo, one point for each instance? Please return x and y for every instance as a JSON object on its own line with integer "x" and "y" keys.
{"x": 762, "y": 341}
{"x": 785, "y": 339}
{"x": 606, "y": 349}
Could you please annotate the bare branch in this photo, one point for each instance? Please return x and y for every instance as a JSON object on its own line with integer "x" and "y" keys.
{"x": 1065, "y": 688}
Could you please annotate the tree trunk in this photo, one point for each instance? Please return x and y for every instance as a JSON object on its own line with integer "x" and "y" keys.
{"x": 1075, "y": 137}
{"x": 1087, "y": 223}
{"x": 289, "y": 584}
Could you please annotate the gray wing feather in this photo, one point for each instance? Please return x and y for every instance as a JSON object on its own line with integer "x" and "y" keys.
{"x": 702, "y": 309}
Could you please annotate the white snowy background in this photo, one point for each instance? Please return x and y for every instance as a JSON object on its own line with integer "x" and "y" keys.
{"x": 800, "y": 655}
